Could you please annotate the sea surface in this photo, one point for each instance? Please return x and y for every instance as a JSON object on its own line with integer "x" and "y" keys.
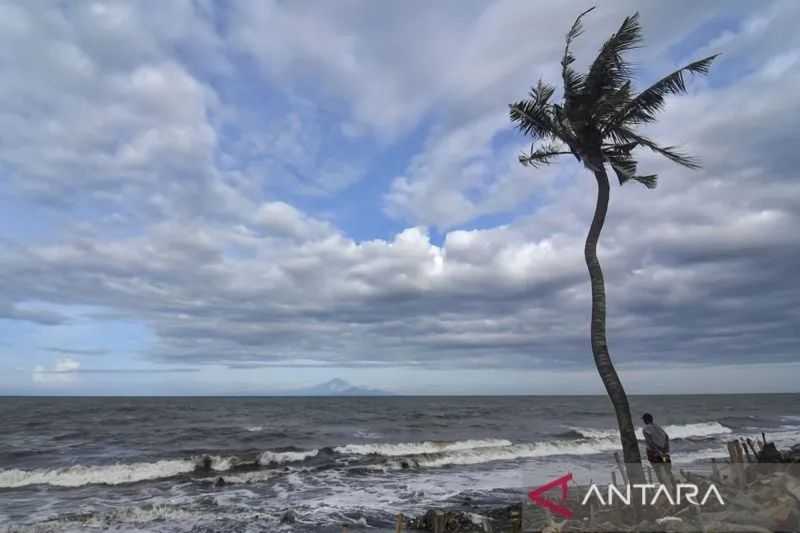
{"x": 315, "y": 464}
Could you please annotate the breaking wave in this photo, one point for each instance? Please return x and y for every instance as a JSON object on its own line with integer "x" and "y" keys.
{"x": 506, "y": 452}
{"x": 279, "y": 458}
{"x": 115, "y": 474}
{"x": 414, "y": 448}
{"x": 76, "y": 476}
{"x": 576, "y": 441}
{"x": 677, "y": 431}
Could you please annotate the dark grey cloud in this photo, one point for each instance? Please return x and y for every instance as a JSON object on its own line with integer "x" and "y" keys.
{"x": 45, "y": 317}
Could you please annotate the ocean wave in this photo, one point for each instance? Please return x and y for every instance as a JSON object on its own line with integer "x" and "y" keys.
{"x": 689, "y": 431}
{"x": 79, "y": 475}
{"x": 699, "y": 455}
{"x": 675, "y": 431}
{"x": 506, "y": 452}
{"x": 414, "y": 448}
{"x": 116, "y": 474}
{"x": 272, "y": 458}
{"x": 367, "y": 435}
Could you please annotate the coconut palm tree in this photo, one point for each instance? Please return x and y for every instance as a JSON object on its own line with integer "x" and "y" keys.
{"x": 596, "y": 122}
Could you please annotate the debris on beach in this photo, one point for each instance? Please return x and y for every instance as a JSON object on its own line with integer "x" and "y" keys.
{"x": 760, "y": 486}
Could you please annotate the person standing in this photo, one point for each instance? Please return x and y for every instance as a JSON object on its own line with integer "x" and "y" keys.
{"x": 657, "y": 442}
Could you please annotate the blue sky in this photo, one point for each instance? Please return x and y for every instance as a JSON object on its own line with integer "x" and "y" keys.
{"x": 249, "y": 197}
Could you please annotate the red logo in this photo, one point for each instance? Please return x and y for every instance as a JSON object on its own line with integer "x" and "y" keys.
{"x": 536, "y": 496}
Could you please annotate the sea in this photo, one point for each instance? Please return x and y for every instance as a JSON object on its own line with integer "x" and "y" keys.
{"x": 252, "y": 464}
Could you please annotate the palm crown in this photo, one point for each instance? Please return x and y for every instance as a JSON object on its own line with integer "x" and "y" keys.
{"x": 597, "y": 118}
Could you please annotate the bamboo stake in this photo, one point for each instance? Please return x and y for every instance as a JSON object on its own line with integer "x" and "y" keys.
{"x": 749, "y": 442}
{"x": 739, "y": 463}
{"x": 516, "y": 521}
{"x": 438, "y": 522}
{"x": 621, "y": 467}
{"x": 746, "y": 451}
{"x": 715, "y": 471}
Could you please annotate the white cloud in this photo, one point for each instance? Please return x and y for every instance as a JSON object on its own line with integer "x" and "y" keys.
{"x": 62, "y": 372}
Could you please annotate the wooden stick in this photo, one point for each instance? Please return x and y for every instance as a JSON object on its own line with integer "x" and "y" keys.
{"x": 732, "y": 455}
{"x": 621, "y": 467}
{"x": 739, "y": 463}
{"x": 715, "y": 471}
{"x": 731, "y": 452}
{"x": 752, "y": 448}
{"x": 746, "y": 452}
{"x": 438, "y": 522}
{"x": 399, "y": 527}
{"x": 516, "y": 521}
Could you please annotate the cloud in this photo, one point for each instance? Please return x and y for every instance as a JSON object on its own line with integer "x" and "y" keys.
{"x": 75, "y": 351}
{"x": 34, "y": 314}
{"x": 194, "y": 196}
{"x": 62, "y": 372}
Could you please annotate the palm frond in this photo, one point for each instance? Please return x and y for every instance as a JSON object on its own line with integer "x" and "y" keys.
{"x": 625, "y": 168}
{"x": 599, "y": 110}
{"x": 650, "y": 181}
{"x": 573, "y": 81}
{"x": 534, "y": 116}
{"x": 543, "y": 155}
{"x": 625, "y": 135}
{"x": 609, "y": 70}
{"x": 646, "y": 104}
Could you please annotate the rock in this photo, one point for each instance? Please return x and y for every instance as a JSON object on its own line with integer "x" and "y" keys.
{"x": 782, "y": 511}
{"x": 770, "y": 454}
{"x": 288, "y": 517}
{"x": 733, "y": 528}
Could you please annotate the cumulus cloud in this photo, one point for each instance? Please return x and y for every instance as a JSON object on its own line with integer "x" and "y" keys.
{"x": 175, "y": 181}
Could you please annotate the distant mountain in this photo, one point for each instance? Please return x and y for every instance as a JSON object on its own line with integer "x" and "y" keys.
{"x": 338, "y": 387}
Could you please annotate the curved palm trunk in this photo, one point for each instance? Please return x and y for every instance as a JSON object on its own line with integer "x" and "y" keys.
{"x": 602, "y": 359}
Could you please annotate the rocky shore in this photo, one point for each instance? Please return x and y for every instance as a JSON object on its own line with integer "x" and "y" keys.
{"x": 760, "y": 489}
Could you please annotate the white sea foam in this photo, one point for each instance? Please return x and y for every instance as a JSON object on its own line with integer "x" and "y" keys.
{"x": 413, "y": 448}
{"x": 254, "y": 429}
{"x": 506, "y": 452}
{"x": 76, "y": 476}
{"x": 114, "y": 474}
{"x": 687, "y": 431}
{"x": 219, "y": 463}
{"x": 699, "y": 455}
{"x": 676, "y": 431}
{"x": 268, "y": 458}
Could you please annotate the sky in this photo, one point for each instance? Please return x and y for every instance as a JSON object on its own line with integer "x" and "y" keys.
{"x": 250, "y": 196}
